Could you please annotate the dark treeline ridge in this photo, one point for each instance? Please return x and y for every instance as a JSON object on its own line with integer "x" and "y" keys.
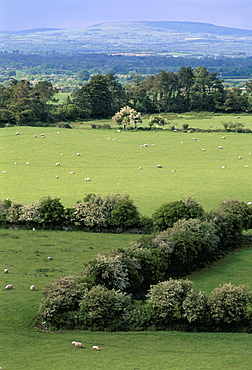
{"x": 102, "y": 96}
{"x": 101, "y": 63}
{"x": 140, "y": 287}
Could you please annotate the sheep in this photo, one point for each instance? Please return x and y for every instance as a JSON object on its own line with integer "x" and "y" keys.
{"x": 6, "y": 271}
{"x": 153, "y": 144}
{"x": 203, "y": 150}
{"x": 9, "y": 286}
{"x": 96, "y": 348}
{"x": 57, "y": 164}
{"x": 61, "y": 154}
{"x": 223, "y": 167}
{"x": 223, "y": 137}
{"x": 139, "y": 168}
{"x": 27, "y": 162}
{"x": 181, "y": 142}
{"x": 17, "y": 133}
{"x": 87, "y": 179}
{"x": 32, "y": 287}
{"x": 14, "y": 162}
{"x": 78, "y": 344}
{"x": 194, "y": 139}
{"x": 42, "y": 135}
{"x": 173, "y": 170}
{"x": 34, "y": 136}
{"x": 249, "y": 203}
{"x": 78, "y": 154}
{"x": 72, "y": 173}
{"x": 4, "y": 171}
{"x": 240, "y": 157}
{"x": 246, "y": 165}
{"x": 249, "y": 154}
{"x": 220, "y": 147}
{"x": 144, "y": 145}
{"x": 49, "y": 258}
{"x": 56, "y": 177}
{"x": 238, "y": 117}
{"x": 159, "y": 166}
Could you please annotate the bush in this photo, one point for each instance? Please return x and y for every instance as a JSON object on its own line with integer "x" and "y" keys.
{"x": 51, "y": 212}
{"x": 169, "y": 213}
{"x": 240, "y": 209}
{"x": 104, "y": 309}
{"x": 125, "y": 215}
{"x": 229, "y": 304}
{"x": 61, "y": 302}
{"x": 166, "y": 299}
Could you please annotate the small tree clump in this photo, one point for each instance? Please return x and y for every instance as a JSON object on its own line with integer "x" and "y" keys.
{"x": 127, "y": 116}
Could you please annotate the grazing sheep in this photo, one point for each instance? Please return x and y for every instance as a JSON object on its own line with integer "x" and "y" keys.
{"x": 96, "y": 348}
{"x": 27, "y": 162}
{"x": 72, "y": 173}
{"x": 181, "y": 142}
{"x": 115, "y": 138}
{"x": 153, "y": 144}
{"x": 14, "y": 162}
{"x": 9, "y": 286}
{"x": 173, "y": 170}
{"x": 238, "y": 117}
{"x": 139, "y": 168}
{"x": 42, "y": 135}
{"x": 220, "y": 147}
{"x": 141, "y": 146}
{"x": 56, "y": 177}
{"x": 32, "y": 287}
{"x": 35, "y": 136}
{"x": 159, "y": 166}
{"x": 57, "y": 164}
{"x": 58, "y": 132}
{"x": 17, "y": 133}
{"x": 145, "y": 145}
{"x": 223, "y": 137}
{"x": 203, "y": 150}
{"x": 78, "y": 344}
{"x": 240, "y": 157}
{"x": 4, "y": 171}
{"x": 6, "y": 271}
{"x": 249, "y": 203}
{"x": 119, "y": 131}
{"x": 249, "y": 154}
{"x": 246, "y": 165}
{"x": 87, "y": 179}
{"x": 194, "y": 139}
{"x": 78, "y": 154}
{"x": 49, "y": 258}
{"x": 223, "y": 167}
{"x": 61, "y": 154}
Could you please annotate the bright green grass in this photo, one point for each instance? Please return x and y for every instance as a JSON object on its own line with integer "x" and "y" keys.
{"x": 113, "y": 166}
{"x": 24, "y": 347}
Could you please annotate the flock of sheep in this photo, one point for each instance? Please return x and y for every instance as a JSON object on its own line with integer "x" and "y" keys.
{"x": 80, "y": 345}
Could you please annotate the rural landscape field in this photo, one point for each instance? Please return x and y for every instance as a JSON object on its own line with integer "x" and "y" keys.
{"x": 113, "y": 167}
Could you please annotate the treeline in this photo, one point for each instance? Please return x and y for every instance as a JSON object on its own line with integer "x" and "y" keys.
{"x": 102, "y": 63}
{"x": 102, "y": 96}
{"x": 140, "y": 287}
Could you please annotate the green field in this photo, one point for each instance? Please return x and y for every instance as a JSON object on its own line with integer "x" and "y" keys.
{"x": 113, "y": 165}
{"x": 22, "y": 346}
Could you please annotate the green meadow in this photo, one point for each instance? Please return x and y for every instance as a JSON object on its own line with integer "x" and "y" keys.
{"x": 113, "y": 165}
{"x": 23, "y": 346}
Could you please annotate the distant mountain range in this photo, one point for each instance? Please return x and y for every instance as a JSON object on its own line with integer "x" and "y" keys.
{"x": 145, "y": 37}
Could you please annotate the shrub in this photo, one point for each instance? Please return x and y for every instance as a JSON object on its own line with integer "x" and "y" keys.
{"x": 229, "y": 304}
{"x": 195, "y": 308}
{"x": 125, "y": 215}
{"x": 169, "y": 213}
{"x": 104, "y": 309}
{"x": 166, "y": 299}
{"x": 51, "y": 212}
{"x": 61, "y": 302}
{"x": 241, "y": 209}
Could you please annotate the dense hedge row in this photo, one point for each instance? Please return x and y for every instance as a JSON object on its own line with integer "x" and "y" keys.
{"x": 137, "y": 287}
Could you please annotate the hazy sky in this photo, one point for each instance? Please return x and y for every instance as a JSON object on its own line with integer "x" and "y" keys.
{"x": 18, "y": 15}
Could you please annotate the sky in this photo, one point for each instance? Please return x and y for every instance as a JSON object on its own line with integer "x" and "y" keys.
{"x": 17, "y": 15}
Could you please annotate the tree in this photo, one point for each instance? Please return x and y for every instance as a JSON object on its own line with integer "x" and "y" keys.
{"x": 127, "y": 116}
{"x": 125, "y": 215}
{"x": 51, "y": 212}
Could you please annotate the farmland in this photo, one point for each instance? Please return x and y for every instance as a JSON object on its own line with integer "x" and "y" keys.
{"x": 113, "y": 165}
{"x": 23, "y": 346}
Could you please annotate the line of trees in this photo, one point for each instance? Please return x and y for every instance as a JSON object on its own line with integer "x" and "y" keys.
{"x": 103, "y": 96}
{"x": 140, "y": 286}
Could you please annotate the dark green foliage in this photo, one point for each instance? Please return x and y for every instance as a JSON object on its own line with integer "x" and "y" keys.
{"x": 104, "y": 309}
{"x": 125, "y": 215}
{"x": 167, "y": 214}
{"x": 241, "y": 209}
{"x": 51, "y": 211}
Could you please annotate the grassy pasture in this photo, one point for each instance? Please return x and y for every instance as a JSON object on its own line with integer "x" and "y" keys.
{"x": 22, "y": 346}
{"x": 113, "y": 165}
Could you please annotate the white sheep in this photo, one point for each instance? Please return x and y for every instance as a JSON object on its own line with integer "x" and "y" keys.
{"x": 4, "y": 171}
{"x": 159, "y": 166}
{"x": 203, "y": 150}
{"x": 17, "y": 133}
{"x": 223, "y": 167}
{"x": 61, "y": 154}
{"x": 27, "y": 162}
{"x": 87, "y": 179}
{"x": 6, "y": 271}
{"x": 240, "y": 157}
{"x": 9, "y": 286}
{"x": 194, "y": 139}
{"x": 56, "y": 177}
{"x": 35, "y": 136}
{"x": 238, "y": 117}
{"x": 72, "y": 173}
{"x": 139, "y": 168}
{"x": 42, "y": 135}
{"x": 249, "y": 203}
{"x": 220, "y": 147}
{"x": 32, "y": 287}
{"x": 78, "y": 154}
{"x": 246, "y": 165}
{"x": 96, "y": 348}
{"x": 78, "y": 344}
{"x": 223, "y": 137}
{"x": 49, "y": 258}
{"x": 57, "y": 164}
{"x": 173, "y": 170}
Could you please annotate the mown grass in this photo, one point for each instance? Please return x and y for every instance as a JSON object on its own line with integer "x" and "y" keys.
{"x": 113, "y": 166}
{"x": 23, "y": 346}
